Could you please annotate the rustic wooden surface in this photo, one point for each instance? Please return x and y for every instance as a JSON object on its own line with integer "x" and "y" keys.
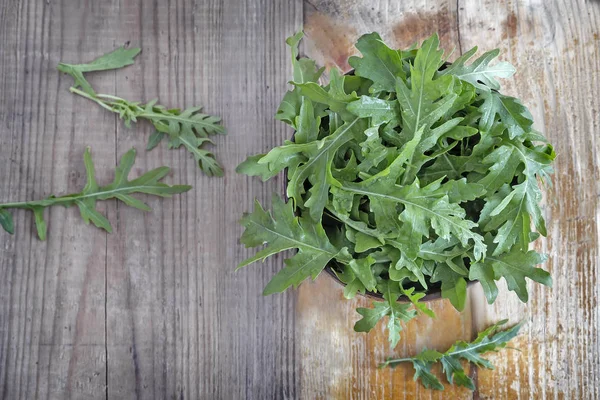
{"x": 155, "y": 310}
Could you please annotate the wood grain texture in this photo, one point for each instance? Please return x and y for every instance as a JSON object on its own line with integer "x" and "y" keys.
{"x": 556, "y": 50}
{"x": 156, "y": 311}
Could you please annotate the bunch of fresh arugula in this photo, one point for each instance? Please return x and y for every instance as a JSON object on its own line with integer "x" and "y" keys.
{"x": 189, "y": 128}
{"x": 408, "y": 176}
{"x": 121, "y": 188}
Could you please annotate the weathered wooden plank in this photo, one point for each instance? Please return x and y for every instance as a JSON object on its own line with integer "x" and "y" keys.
{"x": 181, "y": 322}
{"x": 555, "y": 48}
{"x": 52, "y": 293}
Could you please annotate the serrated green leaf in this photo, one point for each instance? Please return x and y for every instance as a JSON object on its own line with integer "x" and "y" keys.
{"x": 488, "y": 340}
{"x": 514, "y": 115}
{"x": 305, "y": 70}
{"x": 380, "y": 111}
{"x": 120, "y": 188}
{"x": 189, "y": 128}
{"x": 517, "y": 265}
{"x": 379, "y": 63}
{"x": 396, "y": 313}
{"x": 454, "y": 285}
{"x": 284, "y": 231}
{"x": 154, "y": 140}
{"x": 480, "y": 74}
{"x": 117, "y": 58}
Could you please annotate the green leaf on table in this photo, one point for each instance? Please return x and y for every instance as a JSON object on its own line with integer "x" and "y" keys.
{"x": 6, "y": 221}
{"x": 189, "y": 128}
{"x": 121, "y": 188}
{"x": 491, "y": 339}
{"x": 117, "y": 58}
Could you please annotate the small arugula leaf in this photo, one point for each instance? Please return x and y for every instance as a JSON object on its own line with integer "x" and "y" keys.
{"x": 155, "y": 139}
{"x": 423, "y": 373}
{"x": 380, "y": 111}
{"x": 121, "y": 189}
{"x": 305, "y": 70}
{"x": 414, "y": 298}
{"x": 379, "y": 63}
{"x": 480, "y": 74}
{"x": 514, "y": 267}
{"x": 504, "y": 161}
{"x": 251, "y": 167}
{"x": 117, "y": 58}
{"x": 395, "y": 311}
{"x": 6, "y": 221}
{"x": 514, "y": 115}
{"x": 491, "y": 339}
{"x": 335, "y": 99}
{"x": 362, "y": 270}
{"x": 454, "y": 285}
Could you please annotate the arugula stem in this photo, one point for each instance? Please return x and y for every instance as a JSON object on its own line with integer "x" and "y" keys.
{"x": 95, "y": 99}
{"x": 395, "y": 361}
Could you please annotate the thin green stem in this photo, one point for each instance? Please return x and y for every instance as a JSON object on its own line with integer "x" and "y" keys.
{"x": 92, "y": 98}
{"x": 395, "y": 361}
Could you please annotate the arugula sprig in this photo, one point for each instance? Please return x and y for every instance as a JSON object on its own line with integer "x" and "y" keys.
{"x": 490, "y": 340}
{"x": 422, "y": 175}
{"x": 189, "y": 128}
{"x": 121, "y": 188}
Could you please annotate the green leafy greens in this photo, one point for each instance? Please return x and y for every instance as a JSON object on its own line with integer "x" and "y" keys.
{"x": 189, "y": 128}
{"x": 407, "y": 176}
{"x": 121, "y": 188}
{"x": 488, "y": 340}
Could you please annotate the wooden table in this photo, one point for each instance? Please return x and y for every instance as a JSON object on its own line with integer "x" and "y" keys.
{"x": 156, "y": 311}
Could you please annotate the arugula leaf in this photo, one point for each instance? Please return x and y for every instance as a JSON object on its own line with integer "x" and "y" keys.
{"x": 422, "y": 212}
{"x": 396, "y": 313}
{"x": 121, "y": 189}
{"x": 491, "y": 339}
{"x": 454, "y": 285}
{"x": 188, "y": 128}
{"x": 514, "y": 267}
{"x": 116, "y": 59}
{"x": 284, "y": 231}
{"x": 305, "y": 70}
{"x": 315, "y": 167}
{"x": 6, "y": 221}
{"x": 514, "y": 115}
{"x": 480, "y": 74}
{"x": 379, "y": 63}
